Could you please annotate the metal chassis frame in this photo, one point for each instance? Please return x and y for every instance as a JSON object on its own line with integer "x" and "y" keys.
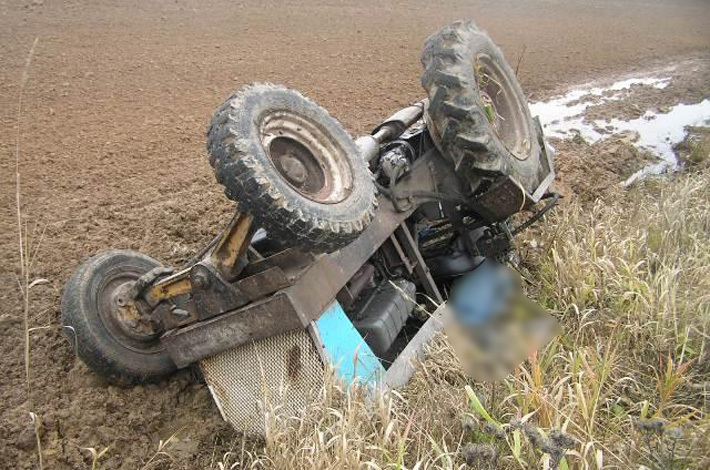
{"x": 224, "y": 256}
{"x": 289, "y": 291}
{"x": 293, "y": 307}
{"x": 313, "y": 289}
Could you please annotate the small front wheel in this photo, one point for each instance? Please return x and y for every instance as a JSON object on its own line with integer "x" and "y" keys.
{"x": 111, "y": 336}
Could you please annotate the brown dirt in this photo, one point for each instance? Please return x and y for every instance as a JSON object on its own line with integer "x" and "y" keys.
{"x": 590, "y": 171}
{"x": 113, "y": 156}
{"x": 689, "y": 84}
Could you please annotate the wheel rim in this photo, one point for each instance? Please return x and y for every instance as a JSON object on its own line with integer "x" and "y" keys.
{"x": 504, "y": 110}
{"x": 119, "y": 313}
{"x": 306, "y": 158}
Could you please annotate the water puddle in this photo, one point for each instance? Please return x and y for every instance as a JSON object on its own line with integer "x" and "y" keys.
{"x": 657, "y": 132}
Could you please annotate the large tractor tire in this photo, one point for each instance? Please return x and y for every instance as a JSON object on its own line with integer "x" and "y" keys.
{"x": 478, "y": 115}
{"x": 287, "y": 162}
{"x": 99, "y": 321}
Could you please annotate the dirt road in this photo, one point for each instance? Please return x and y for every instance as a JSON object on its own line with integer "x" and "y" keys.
{"x": 112, "y": 154}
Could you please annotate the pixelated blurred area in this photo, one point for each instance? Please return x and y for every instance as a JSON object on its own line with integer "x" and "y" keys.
{"x": 491, "y": 325}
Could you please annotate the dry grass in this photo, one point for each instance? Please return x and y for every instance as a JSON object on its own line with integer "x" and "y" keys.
{"x": 626, "y": 385}
{"x": 27, "y": 249}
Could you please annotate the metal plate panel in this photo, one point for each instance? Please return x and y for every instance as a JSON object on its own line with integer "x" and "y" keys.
{"x": 402, "y": 369}
{"x": 257, "y": 320}
{"x": 280, "y": 373}
{"x": 284, "y": 373}
{"x": 346, "y": 350}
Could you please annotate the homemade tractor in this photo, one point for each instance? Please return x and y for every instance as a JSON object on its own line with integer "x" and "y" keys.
{"x": 315, "y": 269}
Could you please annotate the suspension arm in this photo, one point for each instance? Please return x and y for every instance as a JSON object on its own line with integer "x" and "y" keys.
{"x": 225, "y": 258}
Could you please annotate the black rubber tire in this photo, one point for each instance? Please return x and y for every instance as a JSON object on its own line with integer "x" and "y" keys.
{"x": 242, "y": 166}
{"x": 461, "y": 129}
{"x": 84, "y": 327}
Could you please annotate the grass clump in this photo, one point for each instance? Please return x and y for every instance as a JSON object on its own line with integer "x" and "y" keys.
{"x": 694, "y": 150}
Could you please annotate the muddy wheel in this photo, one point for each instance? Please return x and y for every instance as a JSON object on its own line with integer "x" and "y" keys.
{"x": 287, "y": 162}
{"x": 478, "y": 114}
{"x": 104, "y": 325}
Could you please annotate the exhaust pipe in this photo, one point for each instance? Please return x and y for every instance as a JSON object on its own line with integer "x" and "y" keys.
{"x": 390, "y": 129}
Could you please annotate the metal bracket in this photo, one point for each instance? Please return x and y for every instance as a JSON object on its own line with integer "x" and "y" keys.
{"x": 420, "y": 267}
{"x": 212, "y": 294}
{"x": 226, "y": 258}
{"x": 147, "y": 279}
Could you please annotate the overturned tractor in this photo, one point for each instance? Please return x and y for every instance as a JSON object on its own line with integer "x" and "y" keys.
{"x": 335, "y": 241}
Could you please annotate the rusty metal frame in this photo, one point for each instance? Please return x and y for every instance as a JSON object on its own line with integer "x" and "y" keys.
{"x": 224, "y": 301}
{"x": 400, "y": 253}
{"x": 314, "y": 282}
{"x": 290, "y": 308}
{"x": 224, "y": 257}
{"x": 231, "y": 246}
{"x": 419, "y": 265}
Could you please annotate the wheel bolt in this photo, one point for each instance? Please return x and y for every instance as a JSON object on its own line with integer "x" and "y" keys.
{"x": 201, "y": 281}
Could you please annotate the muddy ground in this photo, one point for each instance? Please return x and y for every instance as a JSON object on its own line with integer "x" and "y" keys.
{"x": 589, "y": 169}
{"x": 112, "y": 155}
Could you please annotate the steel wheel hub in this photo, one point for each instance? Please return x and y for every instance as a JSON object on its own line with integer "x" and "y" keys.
{"x": 120, "y": 315}
{"x": 306, "y": 158}
{"x": 127, "y": 316}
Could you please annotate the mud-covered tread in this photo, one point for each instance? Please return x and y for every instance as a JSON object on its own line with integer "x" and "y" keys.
{"x": 456, "y": 112}
{"x": 459, "y": 111}
{"x": 473, "y": 142}
{"x": 241, "y": 165}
